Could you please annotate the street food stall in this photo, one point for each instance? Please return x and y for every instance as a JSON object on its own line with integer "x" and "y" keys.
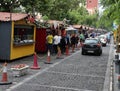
{"x": 17, "y": 35}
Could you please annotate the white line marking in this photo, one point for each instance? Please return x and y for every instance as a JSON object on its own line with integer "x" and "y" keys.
{"x": 111, "y": 79}
{"x": 107, "y": 82}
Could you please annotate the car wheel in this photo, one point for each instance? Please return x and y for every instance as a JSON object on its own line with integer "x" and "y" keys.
{"x": 100, "y": 53}
{"x": 83, "y": 53}
{"x": 105, "y": 45}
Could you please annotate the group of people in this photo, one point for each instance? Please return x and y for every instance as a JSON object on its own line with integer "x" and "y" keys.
{"x": 57, "y": 44}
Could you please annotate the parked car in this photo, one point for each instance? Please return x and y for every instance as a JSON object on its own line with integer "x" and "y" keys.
{"x": 92, "y": 45}
{"x": 103, "y": 39}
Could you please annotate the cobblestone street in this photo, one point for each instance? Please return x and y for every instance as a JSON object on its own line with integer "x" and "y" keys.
{"x": 73, "y": 73}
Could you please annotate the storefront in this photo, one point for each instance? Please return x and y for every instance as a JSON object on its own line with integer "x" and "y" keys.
{"x": 17, "y": 35}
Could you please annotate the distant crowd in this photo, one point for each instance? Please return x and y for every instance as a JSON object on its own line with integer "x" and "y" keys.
{"x": 57, "y": 44}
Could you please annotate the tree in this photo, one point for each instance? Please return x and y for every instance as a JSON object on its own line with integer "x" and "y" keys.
{"x": 78, "y": 15}
{"x": 9, "y": 5}
{"x": 58, "y": 9}
{"x": 54, "y": 9}
{"x": 112, "y": 9}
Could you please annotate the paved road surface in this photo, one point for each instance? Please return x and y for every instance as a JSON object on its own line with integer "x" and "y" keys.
{"x": 73, "y": 73}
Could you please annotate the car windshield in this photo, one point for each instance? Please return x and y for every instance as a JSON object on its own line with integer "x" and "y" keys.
{"x": 91, "y": 41}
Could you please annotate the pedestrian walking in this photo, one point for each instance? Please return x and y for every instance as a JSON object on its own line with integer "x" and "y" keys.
{"x": 108, "y": 38}
{"x": 82, "y": 38}
{"x": 63, "y": 42}
{"x": 73, "y": 41}
{"x": 77, "y": 40}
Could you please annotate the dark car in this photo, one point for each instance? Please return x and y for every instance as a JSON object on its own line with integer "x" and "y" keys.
{"x": 92, "y": 45}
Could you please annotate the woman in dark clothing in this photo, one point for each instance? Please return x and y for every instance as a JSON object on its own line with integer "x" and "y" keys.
{"x": 76, "y": 40}
{"x": 73, "y": 41}
{"x": 63, "y": 44}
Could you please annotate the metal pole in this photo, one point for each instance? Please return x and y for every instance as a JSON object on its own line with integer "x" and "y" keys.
{"x": 10, "y": 12}
{"x": 0, "y": 7}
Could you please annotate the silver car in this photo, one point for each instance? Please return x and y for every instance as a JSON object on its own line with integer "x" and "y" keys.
{"x": 103, "y": 39}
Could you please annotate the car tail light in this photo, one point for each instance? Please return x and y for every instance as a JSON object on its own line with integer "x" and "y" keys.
{"x": 82, "y": 44}
{"x": 105, "y": 40}
{"x": 98, "y": 44}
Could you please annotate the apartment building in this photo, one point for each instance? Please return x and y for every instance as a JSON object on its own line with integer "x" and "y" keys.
{"x": 92, "y": 6}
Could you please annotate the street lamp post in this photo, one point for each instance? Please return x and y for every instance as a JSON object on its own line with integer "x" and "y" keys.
{"x": 0, "y": 4}
{"x": 10, "y": 11}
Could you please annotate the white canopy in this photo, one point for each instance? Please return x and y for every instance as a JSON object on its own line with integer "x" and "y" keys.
{"x": 70, "y": 28}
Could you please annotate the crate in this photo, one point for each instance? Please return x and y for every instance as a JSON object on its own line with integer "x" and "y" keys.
{"x": 20, "y": 71}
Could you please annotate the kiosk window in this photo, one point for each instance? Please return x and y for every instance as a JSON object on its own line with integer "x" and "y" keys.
{"x": 23, "y": 34}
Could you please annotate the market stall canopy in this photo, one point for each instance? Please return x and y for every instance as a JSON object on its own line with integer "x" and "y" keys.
{"x": 53, "y": 21}
{"x": 6, "y": 16}
{"x": 77, "y": 26}
{"x": 70, "y": 28}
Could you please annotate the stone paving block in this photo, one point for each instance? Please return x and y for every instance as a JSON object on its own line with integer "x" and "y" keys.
{"x": 69, "y": 81}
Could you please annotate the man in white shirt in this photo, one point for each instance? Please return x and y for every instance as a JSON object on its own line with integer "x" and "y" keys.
{"x": 59, "y": 47}
{"x": 55, "y": 44}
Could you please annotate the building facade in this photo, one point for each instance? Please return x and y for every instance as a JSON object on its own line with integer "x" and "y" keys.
{"x": 91, "y": 6}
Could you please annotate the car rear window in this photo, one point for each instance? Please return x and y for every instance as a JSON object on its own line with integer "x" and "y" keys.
{"x": 91, "y": 41}
{"x": 102, "y": 36}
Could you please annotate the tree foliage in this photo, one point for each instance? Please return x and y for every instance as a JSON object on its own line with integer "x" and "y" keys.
{"x": 9, "y": 5}
{"x": 56, "y": 10}
{"x": 112, "y": 9}
{"x": 77, "y": 16}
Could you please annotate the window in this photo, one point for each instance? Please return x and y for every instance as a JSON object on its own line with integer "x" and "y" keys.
{"x": 90, "y": 1}
{"x": 91, "y": 41}
{"x": 23, "y": 34}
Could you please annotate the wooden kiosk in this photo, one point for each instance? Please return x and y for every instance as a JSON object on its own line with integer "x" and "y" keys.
{"x": 17, "y": 35}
